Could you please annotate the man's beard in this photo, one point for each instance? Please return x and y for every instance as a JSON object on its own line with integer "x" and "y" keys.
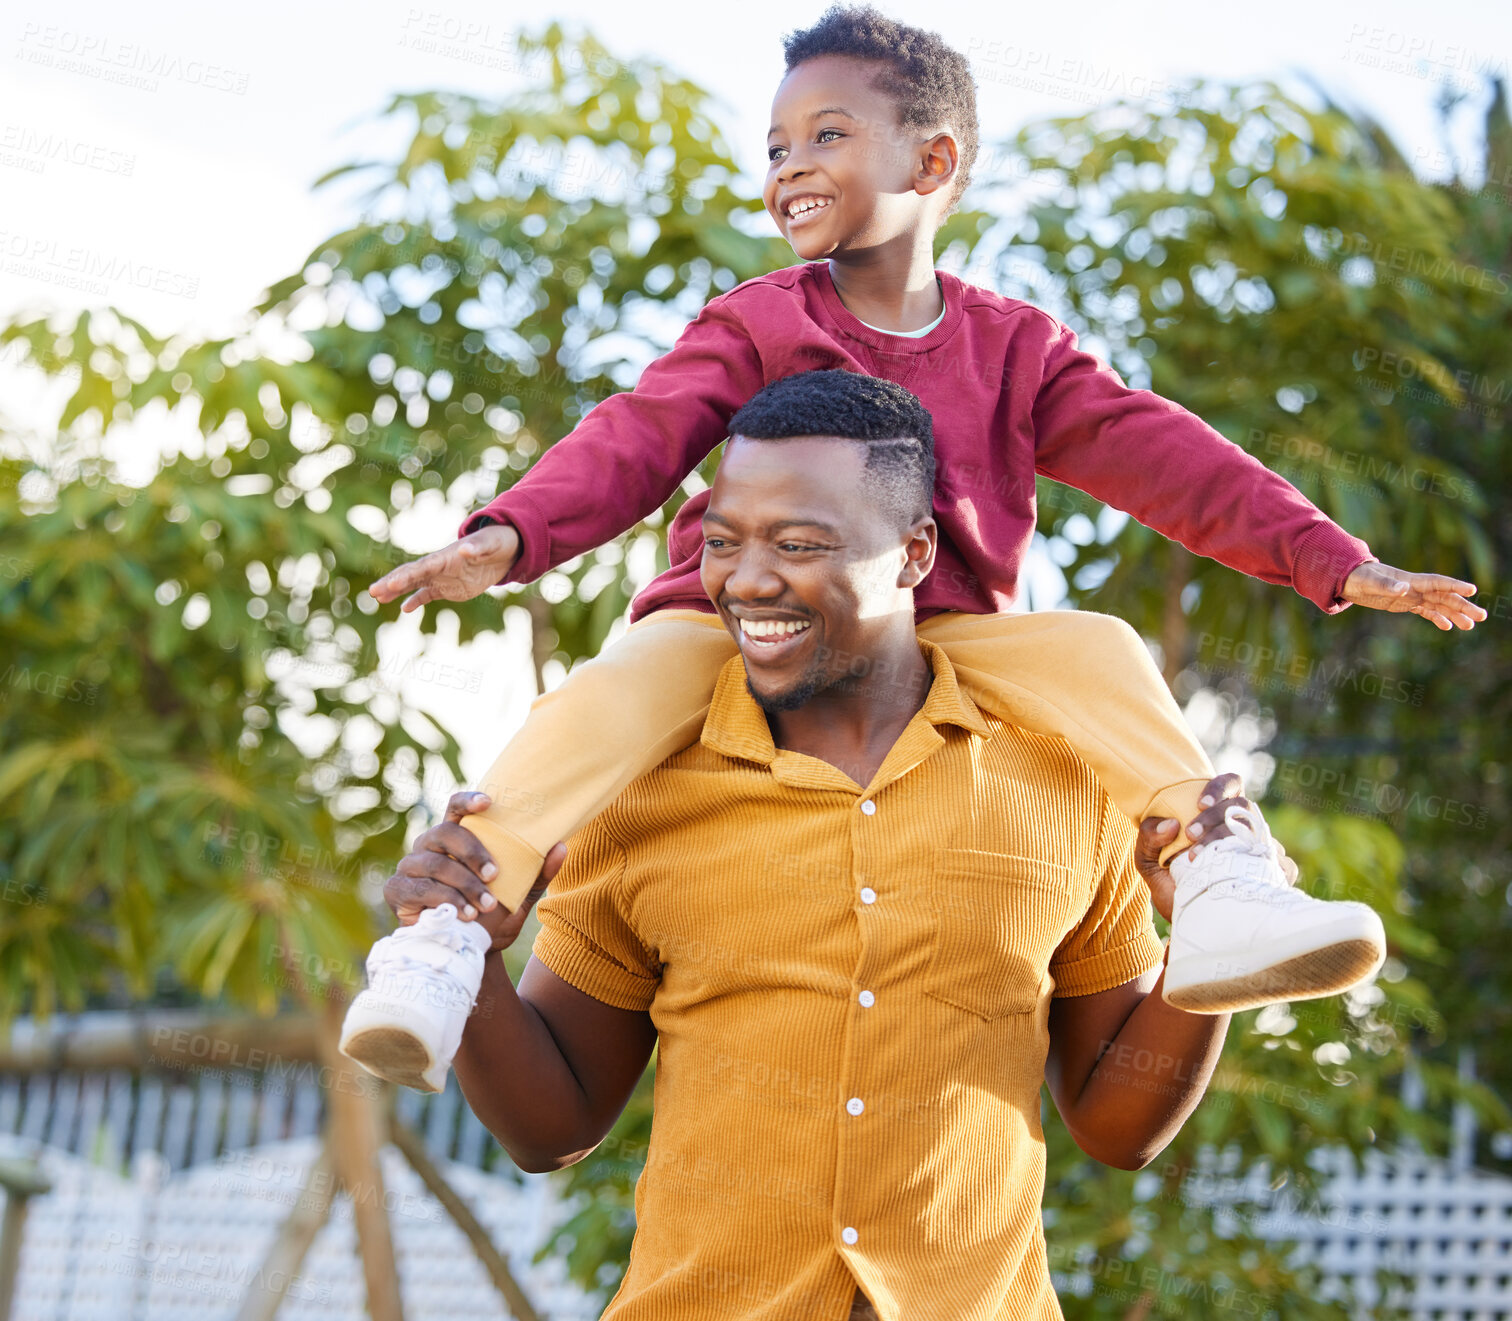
{"x": 797, "y": 696}
{"x": 804, "y": 691}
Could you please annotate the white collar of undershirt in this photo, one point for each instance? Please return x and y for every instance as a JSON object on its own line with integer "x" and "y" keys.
{"x": 909, "y": 334}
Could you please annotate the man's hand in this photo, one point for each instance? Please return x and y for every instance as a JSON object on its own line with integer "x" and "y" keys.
{"x": 465, "y": 569}
{"x": 449, "y": 865}
{"x": 1218, "y": 795}
{"x": 1439, "y": 600}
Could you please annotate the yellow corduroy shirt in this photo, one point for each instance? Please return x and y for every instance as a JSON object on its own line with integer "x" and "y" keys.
{"x": 851, "y": 987}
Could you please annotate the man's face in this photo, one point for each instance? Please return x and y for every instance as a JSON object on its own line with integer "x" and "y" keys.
{"x": 835, "y": 143}
{"x": 807, "y": 570}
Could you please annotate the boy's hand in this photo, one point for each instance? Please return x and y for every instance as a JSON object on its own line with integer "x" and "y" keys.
{"x": 449, "y": 865}
{"x": 465, "y": 569}
{"x": 1218, "y": 795}
{"x": 1438, "y": 599}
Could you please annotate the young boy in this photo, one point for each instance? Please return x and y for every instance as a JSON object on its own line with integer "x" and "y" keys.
{"x": 873, "y": 135}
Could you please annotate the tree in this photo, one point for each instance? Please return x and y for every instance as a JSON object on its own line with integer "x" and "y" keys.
{"x": 176, "y": 649}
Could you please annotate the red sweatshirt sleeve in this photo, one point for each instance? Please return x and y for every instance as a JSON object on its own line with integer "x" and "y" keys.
{"x": 627, "y": 456}
{"x": 1170, "y": 470}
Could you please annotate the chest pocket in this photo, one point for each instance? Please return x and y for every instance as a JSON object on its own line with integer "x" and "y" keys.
{"x": 998, "y": 919}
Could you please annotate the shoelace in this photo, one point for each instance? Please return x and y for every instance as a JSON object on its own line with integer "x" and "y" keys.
{"x": 440, "y": 924}
{"x": 1249, "y": 834}
{"x": 1248, "y": 826}
{"x": 428, "y": 952}
{"x": 409, "y": 958}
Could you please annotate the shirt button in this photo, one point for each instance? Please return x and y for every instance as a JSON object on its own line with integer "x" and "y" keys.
{"x": 868, "y": 895}
{"x": 849, "y": 1234}
{"x": 869, "y": 807}
{"x": 855, "y": 1105}
{"x": 867, "y": 998}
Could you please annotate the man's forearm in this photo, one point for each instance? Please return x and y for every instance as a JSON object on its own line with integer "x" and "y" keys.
{"x": 1148, "y": 1079}
{"x": 516, "y": 1078}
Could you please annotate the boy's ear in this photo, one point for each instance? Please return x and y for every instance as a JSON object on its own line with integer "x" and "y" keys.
{"x": 938, "y": 161}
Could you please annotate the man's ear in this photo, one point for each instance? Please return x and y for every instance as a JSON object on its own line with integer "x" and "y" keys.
{"x": 919, "y": 552}
{"x": 939, "y": 160}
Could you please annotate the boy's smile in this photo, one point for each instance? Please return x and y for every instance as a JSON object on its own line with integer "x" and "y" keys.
{"x": 803, "y": 208}
{"x": 841, "y": 174}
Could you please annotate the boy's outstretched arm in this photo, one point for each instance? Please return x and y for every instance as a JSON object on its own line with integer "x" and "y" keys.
{"x": 1438, "y": 599}
{"x": 620, "y": 463}
{"x": 1155, "y": 460}
{"x": 458, "y": 572}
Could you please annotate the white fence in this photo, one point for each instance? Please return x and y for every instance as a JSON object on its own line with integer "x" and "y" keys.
{"x": 167, "y": 1191}
{"x": 1442, "y": 1224}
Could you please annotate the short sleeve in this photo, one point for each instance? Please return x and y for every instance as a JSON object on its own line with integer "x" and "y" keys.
{"x": 585, "y": 937}
{"x": 1115, "y": 941}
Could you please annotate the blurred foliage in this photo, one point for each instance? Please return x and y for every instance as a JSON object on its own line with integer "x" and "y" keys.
{"x": 519, "y": 263}
{"x": 175, "y": 645}
{"x": 1254, "y": 260}
{"x": 155, "y": 812}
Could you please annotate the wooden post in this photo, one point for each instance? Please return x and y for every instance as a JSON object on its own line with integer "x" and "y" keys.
{"x": 22, "y": 1180}
{"x": 493, "y": 1261}
{"x": 311, "y": 1210}
{"x": 356, "y": 1119}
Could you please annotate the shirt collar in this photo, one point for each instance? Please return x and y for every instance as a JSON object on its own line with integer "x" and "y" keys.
{"x": 737, "y": 727}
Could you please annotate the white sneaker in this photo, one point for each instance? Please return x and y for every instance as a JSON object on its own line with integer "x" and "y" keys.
{"x": 1243, "y": 936}
{"x": 422, "y": 982}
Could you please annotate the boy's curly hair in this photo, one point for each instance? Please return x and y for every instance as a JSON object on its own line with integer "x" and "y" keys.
{"x": 931, "y": 83}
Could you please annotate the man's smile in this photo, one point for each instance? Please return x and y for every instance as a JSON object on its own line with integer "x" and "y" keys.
{"x": 772, "y": 629}
{"x": 771, "y": 639}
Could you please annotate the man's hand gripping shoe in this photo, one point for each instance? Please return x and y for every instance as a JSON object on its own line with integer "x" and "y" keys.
{"x": 1242, "y": 935}
{"x": 422, "y": 982}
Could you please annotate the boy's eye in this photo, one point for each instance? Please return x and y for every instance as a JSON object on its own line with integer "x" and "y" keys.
{"x": 824, "y": 131}
{"x": 775, "y": 153}
{"x": 714, "y": 543}
{"x": 794, "y": 546}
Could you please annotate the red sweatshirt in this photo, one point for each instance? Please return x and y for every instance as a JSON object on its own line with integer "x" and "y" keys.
{"x": 1010, "y": 394}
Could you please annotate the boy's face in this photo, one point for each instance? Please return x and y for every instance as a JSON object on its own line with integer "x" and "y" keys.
{"x": 842, "y": 174}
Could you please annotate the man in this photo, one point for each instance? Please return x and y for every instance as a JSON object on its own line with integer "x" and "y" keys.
{"x": 860, "y": 920}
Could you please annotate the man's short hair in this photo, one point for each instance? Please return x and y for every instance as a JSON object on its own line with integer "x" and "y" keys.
{"x": 889, "y": 420}
{"x": 930, "y": 83}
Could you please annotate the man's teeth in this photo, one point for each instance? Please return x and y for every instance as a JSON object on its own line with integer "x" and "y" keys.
{"x": 807, "y": 204}
{"x": 772, "y": 628}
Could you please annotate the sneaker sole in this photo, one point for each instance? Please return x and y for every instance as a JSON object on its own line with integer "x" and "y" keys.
{"x": 392, "y": 1054}
{"x": 1327, "y": 971}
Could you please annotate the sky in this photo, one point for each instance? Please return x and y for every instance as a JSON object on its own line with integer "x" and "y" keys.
{"x": 170, "y": 153}
{"x": 194, "y": 132}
